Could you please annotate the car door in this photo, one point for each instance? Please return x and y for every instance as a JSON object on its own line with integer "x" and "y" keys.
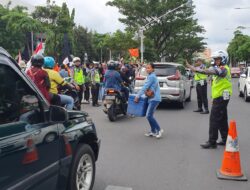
{"x": 28, "y": 160}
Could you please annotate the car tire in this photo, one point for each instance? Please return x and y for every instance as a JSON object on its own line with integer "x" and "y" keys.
{"x": 181, "y": 104}
{"x": 246, "y": 97}
{"x": 82, "y": 175}
{"x": 189, "y": 98}
{"x": 50, "y": 137}
{"x": 240, "y": 93}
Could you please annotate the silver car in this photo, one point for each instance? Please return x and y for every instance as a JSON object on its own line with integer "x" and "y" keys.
{"x": 175, "y": 85}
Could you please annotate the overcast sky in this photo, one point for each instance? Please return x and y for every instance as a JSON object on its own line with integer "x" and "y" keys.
{"x": 219, "y": 17}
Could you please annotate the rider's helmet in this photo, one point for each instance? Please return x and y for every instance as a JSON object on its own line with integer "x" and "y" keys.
{"x": 111, "y": 65}
{"x": 221, "y": 54}
{"x": 37, "y": 60}
{"x": 49, "y": 62}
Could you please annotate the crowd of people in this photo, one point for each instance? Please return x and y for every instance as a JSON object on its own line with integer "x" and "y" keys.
{"x": 88, "y": 79}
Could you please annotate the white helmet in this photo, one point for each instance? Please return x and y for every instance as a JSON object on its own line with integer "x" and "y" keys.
{"x": 221, "y": 54}
{"x": 75, "y": 59}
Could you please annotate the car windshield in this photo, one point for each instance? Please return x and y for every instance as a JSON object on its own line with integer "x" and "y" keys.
{"x": 165, "y": 70}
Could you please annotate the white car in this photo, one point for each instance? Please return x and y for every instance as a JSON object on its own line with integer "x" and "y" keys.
{"x": 244, "y": 84}
{"x": 175, "y": 85}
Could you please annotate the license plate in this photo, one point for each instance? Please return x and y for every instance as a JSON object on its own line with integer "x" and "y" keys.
{"x": 109, "y": 97}
{"x": 161, "y": 84}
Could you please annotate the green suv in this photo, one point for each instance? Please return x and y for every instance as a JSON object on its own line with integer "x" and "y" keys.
{"x": 41, "y": 146}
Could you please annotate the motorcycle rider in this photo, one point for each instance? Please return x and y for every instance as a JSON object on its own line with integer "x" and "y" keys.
{"x": 55, "y": 81}
{"x": 78, "y": 76}
{"x": 113, "y": 79}
{"x": 39, "y": 76}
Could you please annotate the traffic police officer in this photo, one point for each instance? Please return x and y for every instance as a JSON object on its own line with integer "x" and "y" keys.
{"x": 201, "y": 87}
{"x": 95, "y": 83}
{"x": 78, "y": 76}
{"x": 221, "y": 92}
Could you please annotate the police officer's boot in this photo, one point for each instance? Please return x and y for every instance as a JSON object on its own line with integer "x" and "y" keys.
{"x": 205, "y": 111}
{"x": 199, "y": 110}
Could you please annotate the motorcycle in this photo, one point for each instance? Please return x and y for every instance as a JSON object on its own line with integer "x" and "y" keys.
{"x": 73, "y": 93}
{"x": 114, "y": 104}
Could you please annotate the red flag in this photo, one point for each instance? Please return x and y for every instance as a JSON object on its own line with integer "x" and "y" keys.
{"x": 19, "y": 57}
{"x": 134, "y": 52}
{"x": 38, "y": 48}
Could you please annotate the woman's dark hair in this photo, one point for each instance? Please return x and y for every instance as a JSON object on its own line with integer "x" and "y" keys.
{"x": 152, "y": 65}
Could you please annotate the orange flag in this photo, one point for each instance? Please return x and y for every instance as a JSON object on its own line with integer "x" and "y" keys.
{"x": 134, "y": 52}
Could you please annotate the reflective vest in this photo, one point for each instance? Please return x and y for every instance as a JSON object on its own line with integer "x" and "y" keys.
{"x": 97, "y": 77}
{"x": 199, "y": 76}
{"x": 221, "y": 84}
{"x": 78, "y": 76}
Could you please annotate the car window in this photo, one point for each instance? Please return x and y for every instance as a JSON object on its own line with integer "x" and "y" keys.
{"x": 165, "y": 70}
{"x": 18, "y": 102}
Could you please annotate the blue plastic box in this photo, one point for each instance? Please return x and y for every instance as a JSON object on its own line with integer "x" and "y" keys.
{"x": 137, "y": 109}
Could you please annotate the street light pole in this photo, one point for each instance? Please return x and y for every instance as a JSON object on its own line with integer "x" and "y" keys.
{"x": 142, "y": 48}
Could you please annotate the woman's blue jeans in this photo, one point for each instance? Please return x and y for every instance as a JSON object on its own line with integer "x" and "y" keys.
{"x": 155, "y": 128}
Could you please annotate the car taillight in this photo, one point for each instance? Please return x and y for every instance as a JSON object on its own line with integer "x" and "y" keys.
{"x": 177, "y": 76}
{"x": 140, "y": 78}
{"x": 111, "y": 91}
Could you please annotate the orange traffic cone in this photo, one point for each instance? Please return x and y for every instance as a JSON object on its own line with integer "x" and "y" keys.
{"x": 68, "y": 149}
{"x": 231, "y": 168}
{"x": 31, "y": 154}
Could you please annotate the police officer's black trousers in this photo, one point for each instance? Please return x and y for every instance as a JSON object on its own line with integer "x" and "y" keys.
{"x": 80, "y": 93}
{"x": 202, "y": 96}
{"x": 86, "y": 92}
{"x": 95, "y": 93}
{"x": 218, "y": 120}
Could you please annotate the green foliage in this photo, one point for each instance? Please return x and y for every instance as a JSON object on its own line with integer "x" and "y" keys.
{"x": 57, "y": 21}
{"x": 239, "y": 47}
{"x": 15, "y": 24}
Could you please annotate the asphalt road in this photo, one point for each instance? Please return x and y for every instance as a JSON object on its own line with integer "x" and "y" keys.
{"x": 174, "y": 162}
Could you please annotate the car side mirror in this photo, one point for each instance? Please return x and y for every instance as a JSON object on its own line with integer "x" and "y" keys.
{"x": 58, "y": 114}
{"x": 243, "y": 76}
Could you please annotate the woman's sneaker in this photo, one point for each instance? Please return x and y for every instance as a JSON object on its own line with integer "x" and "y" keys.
{"x": 150, "y": 134}
{"x": 159, "y": 134}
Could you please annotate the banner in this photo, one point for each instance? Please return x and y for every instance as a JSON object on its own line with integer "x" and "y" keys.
{"x": 134, "y": 52}
{"x": 38, "y": 48}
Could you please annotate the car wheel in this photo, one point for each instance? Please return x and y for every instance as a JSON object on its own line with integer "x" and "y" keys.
{"x": 240, "y": 93}
{"x": 182, "y": 103}
{"x": 246, "y": 97}
{"x": 49, "y": 138}
{"x": 189, "y": 98}
{"x": 83, "y": 169}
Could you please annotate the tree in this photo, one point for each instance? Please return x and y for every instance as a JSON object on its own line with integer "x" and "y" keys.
{"x": 15, "y": 25}
{"x": 174, "y": 35}
{"x": 59, "y": 25}
{"x": 239, "y": 47}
